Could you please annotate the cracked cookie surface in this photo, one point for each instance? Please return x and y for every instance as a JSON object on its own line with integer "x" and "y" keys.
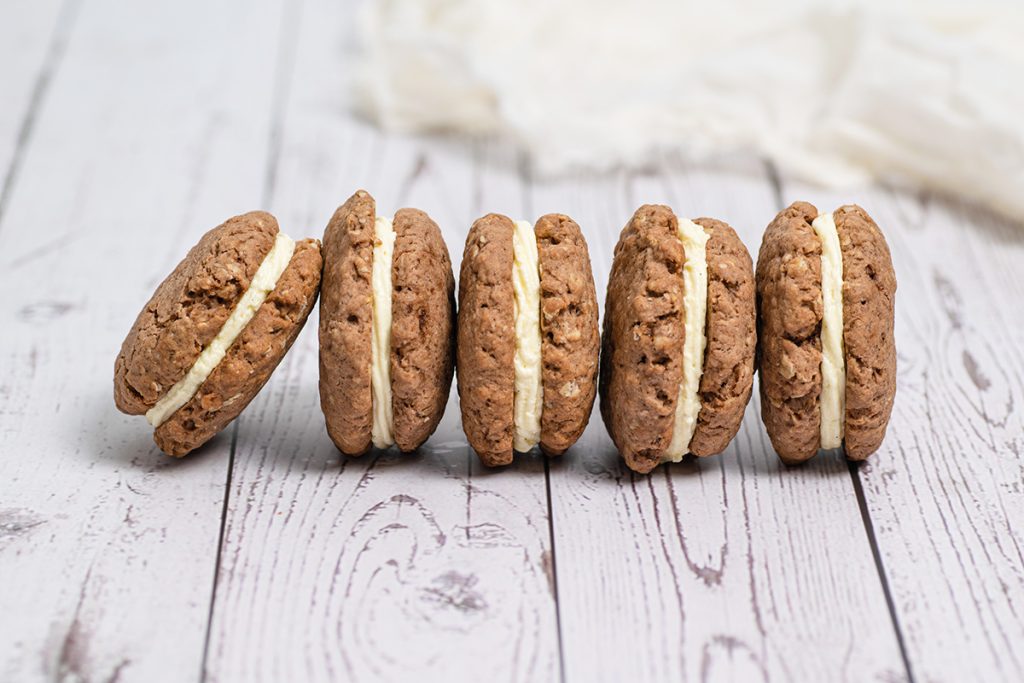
{"x": 728, "y": 373}
{"x": 189, "y": 308}
{"x": 641, "y": 355}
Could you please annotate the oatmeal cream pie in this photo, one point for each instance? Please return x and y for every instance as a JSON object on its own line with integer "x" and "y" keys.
{"x": 527, "y": 337}
{"x": 827, "y": 356}
{"x": 677, "y": 360}
{"x": 387, "y": 327}
{"x": 215, "y": 329}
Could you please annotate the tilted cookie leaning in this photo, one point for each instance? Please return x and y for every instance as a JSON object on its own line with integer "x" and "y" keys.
{"x": 387, "y": 326}
{"x": 826, "y": 353}
{"x": 677, "y": 360}
{"x": 215, "y": 329}
{"x": 528, "y": 336}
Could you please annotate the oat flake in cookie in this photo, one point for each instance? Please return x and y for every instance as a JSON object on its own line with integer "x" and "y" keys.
{"x": 387, "y": 327}
{"x": 527, "y": 336}
{"x": 679, "y": 338}
{"x": 215, "y": 329}
{"x": 827, "y": 356}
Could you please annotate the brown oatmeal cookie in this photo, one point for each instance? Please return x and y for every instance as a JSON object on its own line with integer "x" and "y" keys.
{"x": 188, "y": 309}
{"x": 789, "y": 304}
{"x": 641, "y": 361}
{"x": 570, "y": 338}
{"x": 250, "y": 360}
{"x": 869, "y": 292}
{"x": 728, "y": 373}
{"x": 346, "y": 320}
{"x": 790, "y": 310}
{"x": 485, "y": 350}
{"x": 422, "y": 328}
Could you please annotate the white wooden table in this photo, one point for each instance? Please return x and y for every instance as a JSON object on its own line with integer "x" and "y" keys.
{"x": 127, "y": 129}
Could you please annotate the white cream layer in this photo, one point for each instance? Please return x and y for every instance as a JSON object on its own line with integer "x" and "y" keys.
{"x": 380, "y": 351}
{"x": 263, "y": 283}
{"x": 528, "y": 402}
{"x": 695, "y": 305}
{"x": 833, "y": 360}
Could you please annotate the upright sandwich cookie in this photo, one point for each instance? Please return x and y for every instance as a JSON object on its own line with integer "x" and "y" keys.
{"x": 827, "y": 357}
{"x": 387, "y": 325}
{"x": 528, "y": 336}
{"x": 677, "y": 361}
{"x": 215, "y": 329}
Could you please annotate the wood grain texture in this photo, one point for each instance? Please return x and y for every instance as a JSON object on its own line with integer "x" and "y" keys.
{"x": 734, "y": 567}
{"x": 106, "y": 545}
{"x": 388, "y": 566}
{"x": 945, "y": 492}
{"x": 33, "y": 38}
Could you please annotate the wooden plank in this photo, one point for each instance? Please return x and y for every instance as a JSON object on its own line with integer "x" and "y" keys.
{"x": 33, "y": 36}
{"x": 390, "y": 566}
{"x": 946, "y": 491}
{"x": 733, "y": 567}
{"x": 146, "y": 140}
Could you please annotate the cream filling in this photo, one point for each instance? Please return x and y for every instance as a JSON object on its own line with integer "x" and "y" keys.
{"x": 695, "y": 306}
{"x": 833, "y": 361}
{"x": 263, "y": 283}
{"x": 528, "y": 402}
{"x": 380, "y": 350}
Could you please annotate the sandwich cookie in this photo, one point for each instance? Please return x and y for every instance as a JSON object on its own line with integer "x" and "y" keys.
{"x": 528, "y": 336}
{"x": 215, "y": 329}
{"x": 827, "y": 357}
{"x": 387, "y": 326}
{"x": 679, "y": 338}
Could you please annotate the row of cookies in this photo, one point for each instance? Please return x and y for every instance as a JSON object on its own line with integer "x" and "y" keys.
{"x": 686, "y": 322}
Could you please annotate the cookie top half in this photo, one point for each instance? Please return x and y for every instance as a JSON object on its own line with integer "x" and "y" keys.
{"x": 549, "y": 353}
{"x": 790, "y": 311}
{"x": 346, "y": 319}
{"x": 422, "y": 329}
{"x": 189, "y": 308}
{"x": 731, "y": 329}
{"x": 869, "y": 300}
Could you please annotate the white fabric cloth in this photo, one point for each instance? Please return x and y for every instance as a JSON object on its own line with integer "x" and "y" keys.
{"x": 918, "y": 91}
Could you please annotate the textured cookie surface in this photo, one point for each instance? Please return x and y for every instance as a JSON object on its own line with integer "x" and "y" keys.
{"x": 570, "y": 337}
{"x": 250, "y": 360}
{"x": 869, "y": 291}
{"x": 486, "y": 339}
{"x": 789, "y": 304}
{"x": 728, "y": 374}
{"x": 346, "y": 310}
{"x": 189, "y": 308}
{"x": 422, "y": 328}
{"x": 641, "y": 363}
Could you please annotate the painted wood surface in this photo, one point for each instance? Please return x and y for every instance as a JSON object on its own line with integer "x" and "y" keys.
{"x": 267, "y": 556}
{"x": 33, "y": 36}
{"x": 945, "y": 493}
{"x": 107, "y": 547}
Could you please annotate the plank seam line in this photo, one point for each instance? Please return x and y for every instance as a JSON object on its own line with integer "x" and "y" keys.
{"x": 869, "y": 528}
{"x": 220, "y": 550}
{"x": 775, "y": 180}
{"x": 52, "y": 60}
{"x": 554, "y": 568}
{"x": 525, "y": 173}
{"x": 284, "y": 71}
